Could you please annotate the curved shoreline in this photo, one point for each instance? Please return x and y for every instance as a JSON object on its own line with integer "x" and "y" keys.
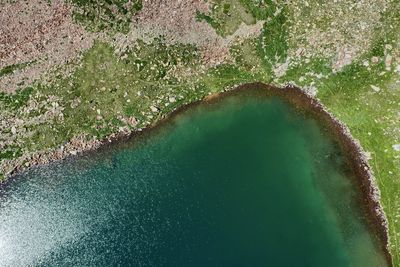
{"x": 355, "y": 156}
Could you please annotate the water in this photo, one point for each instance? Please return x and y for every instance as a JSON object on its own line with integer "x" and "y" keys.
{"x": 246, "y": 182}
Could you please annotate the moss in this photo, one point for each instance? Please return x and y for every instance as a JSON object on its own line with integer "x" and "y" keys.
{"x": 11, "y": 68}
{"x": 109, "y": 87}
{"x": 273, "y": 45}
{"x": 17, "y": 100}
{"x": 10, "y": 152}
{"x": 225, "y": 16}
{"x": 203, "y": 17}
{"x": 110, "y": 15}
{"x": 304, "y": 73}
{"x": 370, "y": 115}
{"x": 261, "y": 9}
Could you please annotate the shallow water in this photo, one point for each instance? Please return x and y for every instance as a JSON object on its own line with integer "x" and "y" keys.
{"x": 245, "y": 182}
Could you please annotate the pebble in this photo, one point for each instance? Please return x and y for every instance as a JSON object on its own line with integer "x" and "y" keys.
{"x": 388, "y": 62}
{"x": 396, "y": 147}
{"x": 375, "y": 88}
{"x": 153, "y": 109}
{"x": 375, "y": 60}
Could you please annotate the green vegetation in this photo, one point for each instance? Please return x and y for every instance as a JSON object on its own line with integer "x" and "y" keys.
{"x": 112, "y": 15}
{"x": 17, "y": 100}
{"x": 366, "y": 98}
{"x": 11, "y": 68}
{"x": 371, "y": 116}
{"x": 106, "y": 89}
{"x": 10, "y": 152}
{"x": 226, "y": 16}
{"x": 273, "y": 40}
{"x": 148, "y": 81}
{"x": 203, "y": 17}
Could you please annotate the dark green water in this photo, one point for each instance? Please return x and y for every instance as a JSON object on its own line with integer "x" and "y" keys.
{"x": 247, "y": 182}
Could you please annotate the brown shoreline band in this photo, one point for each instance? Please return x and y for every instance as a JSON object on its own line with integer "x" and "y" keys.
{"x": 304, "y": 102}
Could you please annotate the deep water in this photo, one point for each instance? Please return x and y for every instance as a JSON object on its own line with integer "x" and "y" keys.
{"x": 246, "y": 181}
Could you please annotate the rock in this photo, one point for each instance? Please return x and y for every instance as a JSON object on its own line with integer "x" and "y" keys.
{"x": 13, "y": 130}
{"x": 312, "y": 90}
{"x": 375, "y": 60}
{"x": 132, "y": 121}
{"x": 375, "y": 88}
{"x": 153, "y": 109}
{"x": 396, "y": 147}
{"x": 123, "y": 129}
{"x": 388, "y": 62}
{"x": 172, "y": 99}
{"x": 75, "y": 102}
{"x": 73, "y": 152}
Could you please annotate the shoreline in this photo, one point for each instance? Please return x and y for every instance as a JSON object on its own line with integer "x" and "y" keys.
{"x": 299, "y": 99}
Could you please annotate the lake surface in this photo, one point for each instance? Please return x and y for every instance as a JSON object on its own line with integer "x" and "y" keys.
{"x": 246, "y": 181}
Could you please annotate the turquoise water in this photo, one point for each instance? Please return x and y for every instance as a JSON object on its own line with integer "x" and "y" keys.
{"x": 245, "y": 182}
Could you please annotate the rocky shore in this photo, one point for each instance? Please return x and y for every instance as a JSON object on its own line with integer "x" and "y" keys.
{"x": 303, "y": 101}
{"x": 355, "y": 156}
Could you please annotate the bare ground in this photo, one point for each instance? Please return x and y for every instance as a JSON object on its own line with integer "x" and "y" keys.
{"x": 40, "y": 32}
{"x": 176, "y": 21}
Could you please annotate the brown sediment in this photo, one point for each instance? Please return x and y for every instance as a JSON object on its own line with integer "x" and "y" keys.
{"x": 303, "y": 102}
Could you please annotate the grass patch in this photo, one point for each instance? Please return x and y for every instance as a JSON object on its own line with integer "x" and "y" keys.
{"x": 17, "y": 100}
{"x": 110, "y": 15}
{"x": 225, "y": 16}
{"x": 11, "y": 68}
{"x": 370, "y": 116}
{"x": 10, "y": 152}
{"x": 152, "y": 79}
{"x": 107, "y": 87}
{"x": 273, "y": 44}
